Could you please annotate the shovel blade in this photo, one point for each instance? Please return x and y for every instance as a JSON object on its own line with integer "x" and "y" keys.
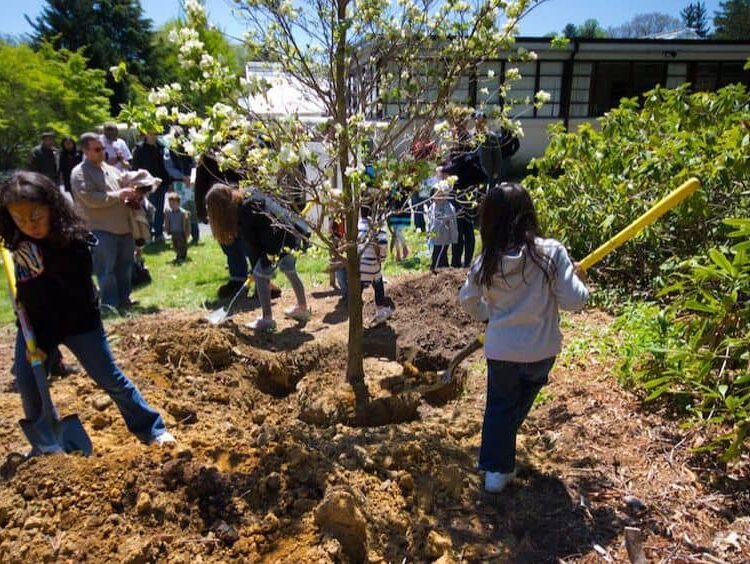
{"x": 217, "y": 316}
{"x": 49, "y": 436}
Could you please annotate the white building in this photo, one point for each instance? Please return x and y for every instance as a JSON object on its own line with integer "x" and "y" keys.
{"x": 590, "y": 76}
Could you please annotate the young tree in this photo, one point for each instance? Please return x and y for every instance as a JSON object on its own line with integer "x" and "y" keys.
{"x": 45, "y": 90}
{"x": 110, "y": 31}
{"x": 732, "y": 20}
{"x": 353, "y": 57}
{"x": 570, "y": 31}
{"x": 643, "y": 25}
{"x": 695, "y": 17}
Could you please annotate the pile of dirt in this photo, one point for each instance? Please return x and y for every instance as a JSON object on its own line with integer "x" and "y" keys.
{"x": 274, "y": 464}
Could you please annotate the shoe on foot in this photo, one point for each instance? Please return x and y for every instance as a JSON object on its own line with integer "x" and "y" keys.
{"x": 263, "y": 325}
{"x": 495, "y": 482}
{"x": 229, "y": 289}
{"x": 166, "y": 439}
{"x": 298, "y": 313}
{"x": 381, "y": 314}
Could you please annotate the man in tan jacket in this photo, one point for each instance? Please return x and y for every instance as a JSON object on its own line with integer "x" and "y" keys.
{"x": 96, "y": 188}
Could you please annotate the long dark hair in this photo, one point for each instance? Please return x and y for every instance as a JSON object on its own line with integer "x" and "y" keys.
{"x": 509, "y": 223}
{"x": 66, "y": 225}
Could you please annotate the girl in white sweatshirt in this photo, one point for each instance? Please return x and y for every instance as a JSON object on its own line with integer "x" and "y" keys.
{"x": 518, "y": 285}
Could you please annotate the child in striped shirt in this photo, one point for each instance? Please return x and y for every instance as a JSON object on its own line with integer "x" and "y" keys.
{"x": 373, "y": 248}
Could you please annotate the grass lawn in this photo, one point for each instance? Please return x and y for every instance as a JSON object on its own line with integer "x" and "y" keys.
{"x": 193, "y": 284}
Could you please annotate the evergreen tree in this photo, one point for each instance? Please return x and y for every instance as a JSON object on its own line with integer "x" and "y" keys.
{"x": 732, "y": 20}
{"x": 109, "y": 31}
{"x": 694, "y": 16}
{"x": 570, "y": 31}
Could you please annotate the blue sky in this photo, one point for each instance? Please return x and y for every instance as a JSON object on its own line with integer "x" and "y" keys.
{"x": 550, "y": 16}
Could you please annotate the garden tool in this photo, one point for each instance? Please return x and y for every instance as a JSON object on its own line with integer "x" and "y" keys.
{"x": 219, "y": 316}
{"x": 661, "y": 207}
{"x": 47, "y": 434}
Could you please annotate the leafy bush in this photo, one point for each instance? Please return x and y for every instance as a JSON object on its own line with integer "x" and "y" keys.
{"x": 697, "y": 350}
{"x": 590, "y": 184}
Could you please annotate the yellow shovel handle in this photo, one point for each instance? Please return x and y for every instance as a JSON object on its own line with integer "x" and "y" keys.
{"x": 657, "y": 210}
{"x": 10, "y": 273}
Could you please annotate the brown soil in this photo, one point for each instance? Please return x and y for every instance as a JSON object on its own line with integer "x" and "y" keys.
{"x": 276, "y": 464}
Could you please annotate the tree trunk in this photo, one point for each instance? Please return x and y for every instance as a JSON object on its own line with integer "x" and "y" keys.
{"x": 355, "y": 373}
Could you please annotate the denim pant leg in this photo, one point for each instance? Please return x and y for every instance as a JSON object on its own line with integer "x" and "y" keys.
{"x": 124, "y": 267}
{"x": 511, "y": 389}
{"x": 379, "y": 289}
{"x": 93, "y": 352}
{"x": 469, "y": 241}
{"x": 342, "y": 281}
{"x": 157, "y": 199}
{"x": 457, "y": 249}
{"x": 236, "y": 260}
{"x": 25, "y": 381}
{"x": 104, "y": 257}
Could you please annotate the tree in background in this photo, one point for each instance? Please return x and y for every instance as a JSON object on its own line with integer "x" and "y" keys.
{"x": 46, "y": 90}
{"x": 110, "y": 31}
{"x": 590, "y": 29}
{"x": 643, "y": 25}
{"x": 570, "y": 31}
{"x": 732, "y": 20}
{"x": 695, "y": 17}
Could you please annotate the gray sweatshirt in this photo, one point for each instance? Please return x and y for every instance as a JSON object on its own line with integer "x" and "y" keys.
{"x": 522, "y": 310}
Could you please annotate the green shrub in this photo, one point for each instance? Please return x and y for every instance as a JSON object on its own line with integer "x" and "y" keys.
{"x": 590, "y": 184}
{"x": 696, "y": 351}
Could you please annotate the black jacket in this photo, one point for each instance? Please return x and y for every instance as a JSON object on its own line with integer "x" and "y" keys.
{"x": 44, "y": 161}
{"x": 67, "y": 161}
{"x": 207, "y": 174}
{"x": 261, "y": 237}
{"x": 151, "y": 158}
{"x": 56, "y": 289}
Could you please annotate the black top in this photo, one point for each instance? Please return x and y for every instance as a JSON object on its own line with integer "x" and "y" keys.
{"x": 151, "y": 158}
{"x": 470, "y": 179}
{"x": 207, "y": 173}
{"x": 260, "y": 235}
{"x": 67, "y": 162}
{"x": 56, "y": 289}
{"x": 44, "y": 161}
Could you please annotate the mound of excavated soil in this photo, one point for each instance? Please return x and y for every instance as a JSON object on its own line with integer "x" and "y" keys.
{"x": 275, "y": 462}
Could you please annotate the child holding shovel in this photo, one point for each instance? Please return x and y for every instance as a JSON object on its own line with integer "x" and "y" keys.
{"x": 518, "y": 285}
{"x": 52, "y": 256}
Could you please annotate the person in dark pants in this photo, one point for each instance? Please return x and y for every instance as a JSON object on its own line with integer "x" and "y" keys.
{"x": 68, "y": 158}
{"x": 517, "y": 285}
{"x": 470, "y": 177}
{"x": 44, "y": 157}
{"x": 149, "y": 155}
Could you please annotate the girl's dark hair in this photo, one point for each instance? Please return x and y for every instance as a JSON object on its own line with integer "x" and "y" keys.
{"x": 223, "y": 206}
{"x": 62, "y": 144}
{"x": 509, "y": 223}
{"x": 66, "y": 225}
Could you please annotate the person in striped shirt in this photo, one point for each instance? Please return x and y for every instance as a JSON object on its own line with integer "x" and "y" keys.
{"x": 373, "y": 249}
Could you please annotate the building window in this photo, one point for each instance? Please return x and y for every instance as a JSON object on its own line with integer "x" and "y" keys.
{"x": 733, "y": 73}
{"x": 550, "y": 80}
{"x": 706, "y": 77}
{"x": 677, "y": 74}
{"x": 490, "y": 96}
{"x": 579, "y": 90}
{"x": 521, "y": 93}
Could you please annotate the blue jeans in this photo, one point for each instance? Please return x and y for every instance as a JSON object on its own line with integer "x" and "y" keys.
{"x": 511, "y": 389}
{"x": 157, "y": 199}
{"x": 465, "y": 245}
{"x": 236, "y": 254}
{"x": 93, "y": 352}
{"x": 113, "y": 265}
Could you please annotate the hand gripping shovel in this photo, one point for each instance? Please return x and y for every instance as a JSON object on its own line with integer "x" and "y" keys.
{"x": 661, "y": 207}
{"x": 47, "y": 434}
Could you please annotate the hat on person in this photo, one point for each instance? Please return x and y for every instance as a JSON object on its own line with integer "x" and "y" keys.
{"x": 140, "y": 178}
{"x": 48, "y": 134}
{"x": 110, "y": 125}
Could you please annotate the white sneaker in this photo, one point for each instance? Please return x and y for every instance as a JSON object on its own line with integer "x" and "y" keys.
{"x": 381, "y": 314}
{"x": 263, "y": 325}
{"x": 166, "y": 439}
{"x": 298, "y": 313}
{"x": 495, "y": 482}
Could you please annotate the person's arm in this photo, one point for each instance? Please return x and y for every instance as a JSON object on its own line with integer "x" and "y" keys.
{"x": 95, "y": 199}
{"x": 470, "y": 297}
{"x": 165, "y": 223}
{"x": 186, "y": 222}
{"x": 126, "y": 155}
{"x": 569, "y": 289}
{"x": 171, "y": 166}
{"x": 34, "y": 164}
